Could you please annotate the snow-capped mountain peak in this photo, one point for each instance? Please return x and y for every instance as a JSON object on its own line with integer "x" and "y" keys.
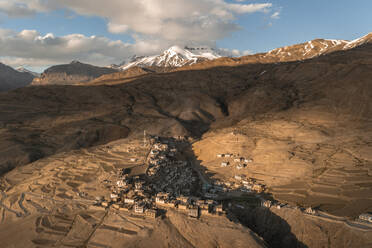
{"x": 23, "y": 69}
{"x": 175, "y": 56}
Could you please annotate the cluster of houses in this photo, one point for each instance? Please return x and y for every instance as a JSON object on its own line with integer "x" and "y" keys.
{"x": 278, "y": 205}
{"x": 193, "y": 205}
{"x": 230, "y": 159}
{"x": 247, "y": 184}
{"x": 238, "y": 183}
{"x": 168, "y": 173}
{"x": 169, "y": 183}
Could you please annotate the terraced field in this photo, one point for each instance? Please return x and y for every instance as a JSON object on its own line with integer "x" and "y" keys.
{"x": 322, "y": 165}
{"x": 50, "y": 203}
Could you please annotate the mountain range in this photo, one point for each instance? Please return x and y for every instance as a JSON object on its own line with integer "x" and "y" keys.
{"x": 175, "y": 56}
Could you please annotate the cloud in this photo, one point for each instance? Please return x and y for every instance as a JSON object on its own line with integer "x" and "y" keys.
{"x": 16, "y": 9}
{"x": 234, "y": 52}
{"x": 276, "y": 15}
{"x": 154, "y": 26}
{"x": 187, "y": 20}
{"x": 28, "y": 47}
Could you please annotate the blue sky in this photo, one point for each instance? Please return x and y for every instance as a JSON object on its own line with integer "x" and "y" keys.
{"x": 123, "y": 28}
{"x": 303, "y": 20}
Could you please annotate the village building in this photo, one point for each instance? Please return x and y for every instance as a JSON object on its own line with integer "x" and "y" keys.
{"x": 139, "y": 208}
{"x": 194, "y": 212}
{"x": 240, "y": 166}
{"x": 219, "y": 209}
{"x": 311, "y": 211}
{"x": 151, "y": 213}
{"x": 239, "y": 177}
{"x": 225, "y": 164}
{"x": 160, "y": 200}
{"x": 366, "y": 217}
{"x": 266, "y": 203}
{"x": 204, "y": 212}
{"x": 129, "y": 201}
{"x": 182, "y": 206}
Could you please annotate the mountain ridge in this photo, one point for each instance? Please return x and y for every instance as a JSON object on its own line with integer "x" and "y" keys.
{"x": 297, "y": 52}
{"x": 24, "y": 69}
{"x": 175, "y": 56}
{"x": 12, "y": 79}
{"x": 72, "y": 73}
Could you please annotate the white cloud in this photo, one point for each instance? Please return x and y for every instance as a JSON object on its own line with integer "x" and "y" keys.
{"x": 117, "y": 28}
{"x": 187, "y": 20}
{"x": 16, "y": 9}
{"x": 247, "y": 52}
{"x": 276, "y": 15}
{"x": 28, "y": 47}
{"x": 233, "y": 52}
{"x": 153, "y": 24}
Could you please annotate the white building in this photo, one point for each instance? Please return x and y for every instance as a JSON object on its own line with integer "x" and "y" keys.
{"x": 366, "y": 217}
{"x": 139, "y": 209}
{"x": 225, "y": 164}
{"x": 129, "y": 201}
{"x": 114, "y": 196}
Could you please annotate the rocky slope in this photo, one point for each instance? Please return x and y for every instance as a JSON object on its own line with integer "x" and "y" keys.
{"x": 298, "y": 52}
{"x": 121, "y": 76}
{"x": 306, "y": 124}
{"x": 70, "y": 74}
{"x": 11, "y": 79}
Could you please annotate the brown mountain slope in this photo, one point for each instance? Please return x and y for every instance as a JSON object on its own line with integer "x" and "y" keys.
{"x": 130, "y": 74}
{"x": 39, "y": 121}
{"x": 303, "y": 51}
{"x": 307, "y": 125}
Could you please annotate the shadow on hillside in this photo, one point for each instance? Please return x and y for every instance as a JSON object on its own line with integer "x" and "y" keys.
{"x": 71, "y": 117}
{"x": 275, "y": 231}
{"x": 272, "y": 228}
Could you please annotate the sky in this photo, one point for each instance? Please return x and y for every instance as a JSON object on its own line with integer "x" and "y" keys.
{"x": 39, "y": 33}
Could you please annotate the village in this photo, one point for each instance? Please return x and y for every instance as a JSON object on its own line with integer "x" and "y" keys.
{"x": 172, "y": 182}
{"x": 169, "y": 182}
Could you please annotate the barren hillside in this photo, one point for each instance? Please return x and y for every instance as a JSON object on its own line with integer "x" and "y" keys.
{"x": 306, "y": 125}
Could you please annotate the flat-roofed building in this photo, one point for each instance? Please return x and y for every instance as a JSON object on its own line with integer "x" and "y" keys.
{"x": 366, "y": 217}
{"x": 151, "y": 213}
{"x": 194, "y": 212}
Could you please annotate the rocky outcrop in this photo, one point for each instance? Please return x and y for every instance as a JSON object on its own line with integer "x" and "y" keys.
{"x": 71, "y": 74}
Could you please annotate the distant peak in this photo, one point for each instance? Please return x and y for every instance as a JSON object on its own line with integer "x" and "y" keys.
{"x": 75, "y": 62}
{"x": 174, "y": 56}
